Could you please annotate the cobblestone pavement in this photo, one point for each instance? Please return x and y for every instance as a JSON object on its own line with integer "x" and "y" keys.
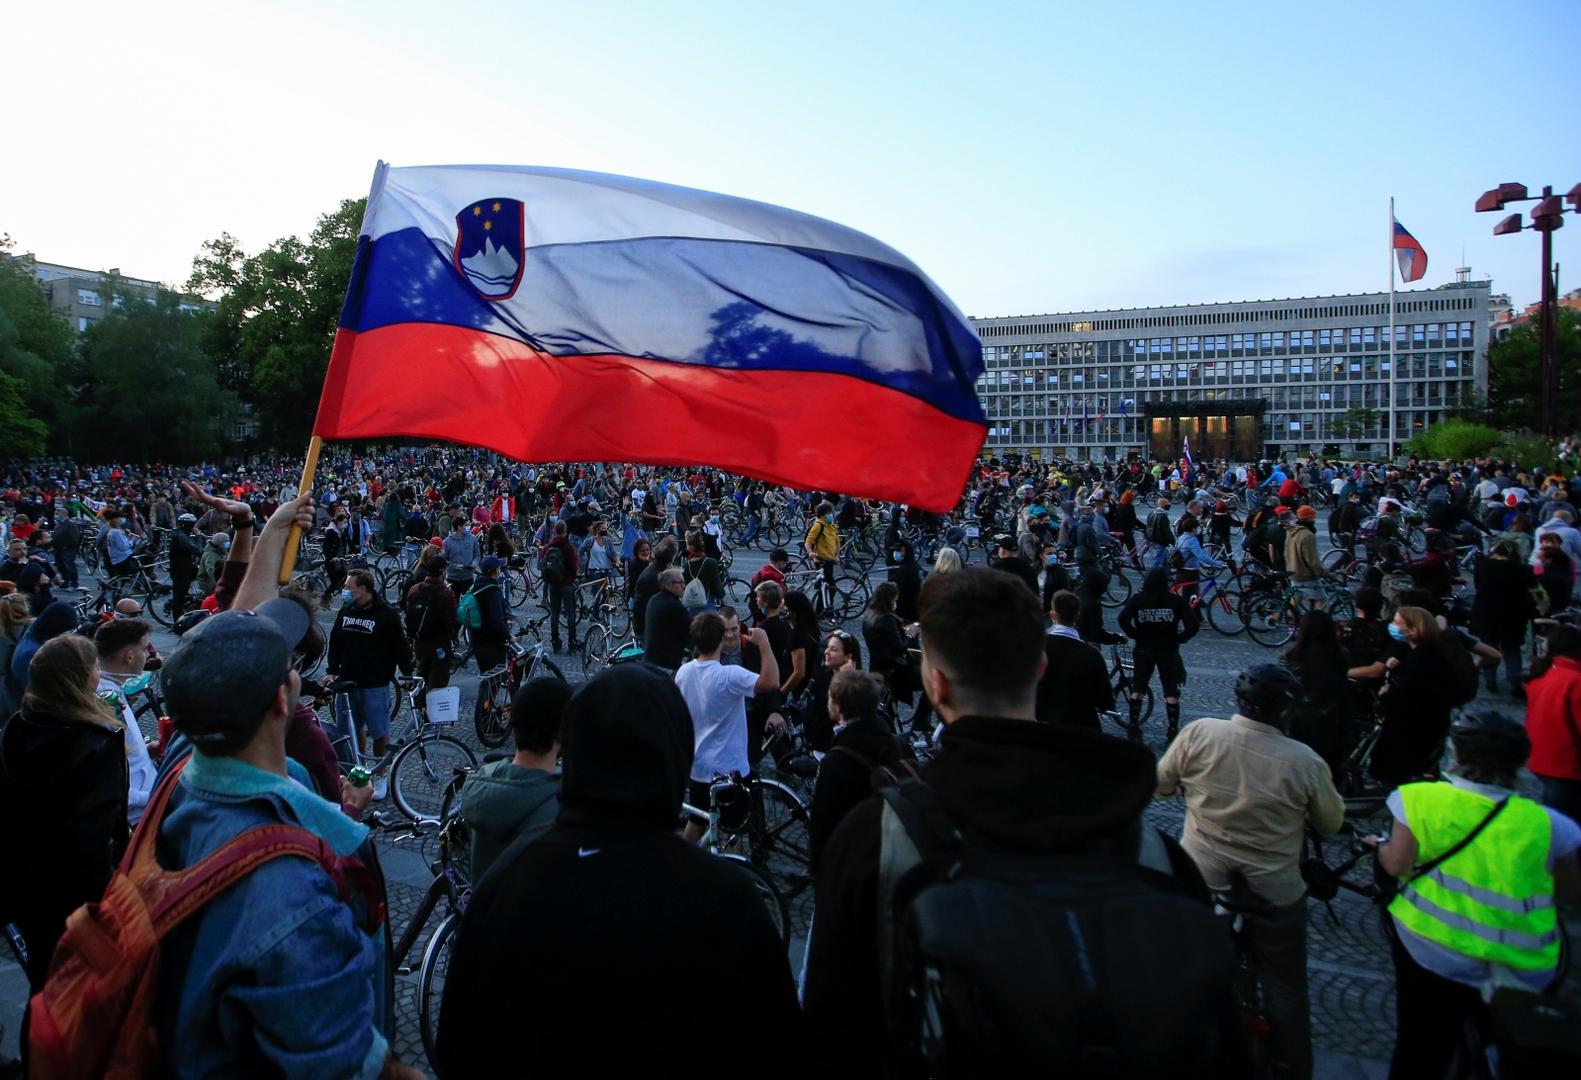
{"x": 1351, "y": 979}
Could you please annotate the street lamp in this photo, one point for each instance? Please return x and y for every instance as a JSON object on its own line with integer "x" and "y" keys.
{"x": 1547, "y": 216}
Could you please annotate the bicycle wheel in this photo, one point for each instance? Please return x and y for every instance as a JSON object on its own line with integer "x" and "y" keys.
{"x": 1118, "y": 591}
{"x": 431, "y": 984}
{"x": 157, "y": 605}
{"x": 1335, "y": 561}
{"x": 1269, "y": 620}
{"x": 423, "y": 770}
{"x": 513, "y": 586}
{"x": 852, "y": 595}
{"x": 781, "y": 841}
{"x": 1224, "y": 611}
{"x": 491, "y": 712}
{"x": 595, "y": 649}
{"x": 768, "y": 894}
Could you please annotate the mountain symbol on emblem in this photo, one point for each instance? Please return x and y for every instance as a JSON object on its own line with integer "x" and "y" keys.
{"x": 492, "y": 269}
{"x": 491, "y": 246}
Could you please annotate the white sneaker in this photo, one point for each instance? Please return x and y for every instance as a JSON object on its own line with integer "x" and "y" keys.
{"x": 381, "y": 787}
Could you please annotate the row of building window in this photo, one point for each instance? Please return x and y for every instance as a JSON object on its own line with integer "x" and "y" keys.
{"x": 1221, "y": 317}
{"x": 1307, "y": 369}
{"x": 1282, "y": 427}
{"x": 1267, "y": 343}
{"x": 1312, "y": 397}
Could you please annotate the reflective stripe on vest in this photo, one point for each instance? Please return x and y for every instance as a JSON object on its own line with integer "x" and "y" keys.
{"x": 1494, "y": 899}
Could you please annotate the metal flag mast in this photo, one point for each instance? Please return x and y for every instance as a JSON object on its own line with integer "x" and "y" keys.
{"x": 1392, "y": 449}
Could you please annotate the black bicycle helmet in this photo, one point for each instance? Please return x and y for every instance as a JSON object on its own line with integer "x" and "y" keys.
{"x": 1490, "y": 742}
{"x": 1265, "y": 691}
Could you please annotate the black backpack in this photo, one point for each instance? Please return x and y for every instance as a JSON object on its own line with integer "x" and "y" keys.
{"x": 552, "y": 567}
{"x": 419, "y": 599}
{"x": 1462, "y": 686}
{"x": 998, "y": 963}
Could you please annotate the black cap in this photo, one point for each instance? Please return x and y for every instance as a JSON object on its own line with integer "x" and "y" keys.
{"x": 224, "y": 675}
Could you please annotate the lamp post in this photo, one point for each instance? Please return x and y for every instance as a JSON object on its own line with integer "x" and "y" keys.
{"x": 1547, "y": 216}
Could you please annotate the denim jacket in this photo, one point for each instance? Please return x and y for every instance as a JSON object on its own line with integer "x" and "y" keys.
{"x": 275, "y": 976}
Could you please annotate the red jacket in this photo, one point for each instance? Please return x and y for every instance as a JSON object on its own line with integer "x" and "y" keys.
{"x": 1553, "y": 720}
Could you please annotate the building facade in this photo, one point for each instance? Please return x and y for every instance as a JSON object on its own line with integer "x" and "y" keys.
{"x": 1250, "y": 379}
{"x": 83, "y": 297}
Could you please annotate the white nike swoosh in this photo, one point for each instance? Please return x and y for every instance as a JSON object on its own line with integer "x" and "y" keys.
{"x": 584, "y": 852}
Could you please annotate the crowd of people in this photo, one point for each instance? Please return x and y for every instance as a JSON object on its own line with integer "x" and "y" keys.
{"x": 974, "y": 830}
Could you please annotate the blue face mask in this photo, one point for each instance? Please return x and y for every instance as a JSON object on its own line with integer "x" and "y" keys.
{"x": 345, "y": 596}
{"x": 1051, "y": 560}
{"x": 1396, "y": 633}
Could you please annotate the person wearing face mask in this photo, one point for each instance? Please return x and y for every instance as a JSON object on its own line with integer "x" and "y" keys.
{"x": 906, "y": 576}
{"x": 1416, "y": 700}
{"x": 823, "y": 541}
{"x": 366, "y": 645}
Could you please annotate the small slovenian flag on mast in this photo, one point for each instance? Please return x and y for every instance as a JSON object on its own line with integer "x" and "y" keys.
{"x": 1409, "y": 253}
{"x": 1185, "y": 454}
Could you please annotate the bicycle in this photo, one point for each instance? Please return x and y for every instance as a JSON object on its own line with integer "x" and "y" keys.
{"x": 452, "y": 885}
{"x": 1221, "y": 604}
{"x": 1272, "y": 618}
{"x": 716, "y": 839}
{"x": 1122, "y": 672}
{"x": 491, "y": 709}
{"x": 419, "y": 762}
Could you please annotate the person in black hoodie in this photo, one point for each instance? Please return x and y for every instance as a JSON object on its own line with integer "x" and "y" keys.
{"x": 1009, "y": 783}
{"x": 1075, "y": 685}
{"x": 906, "y": 576}
{"x": 63, "y": 789}
{"x": 366, "y": 645}
{"x": 1160, "y": 622}
{"x": 605, "y": 917}
{"x": 861, "y": 746}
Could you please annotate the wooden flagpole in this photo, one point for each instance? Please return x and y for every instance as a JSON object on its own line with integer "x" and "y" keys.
{"x": 294, "y": 541}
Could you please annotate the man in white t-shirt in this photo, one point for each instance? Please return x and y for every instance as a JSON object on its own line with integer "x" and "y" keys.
{"x": 122, "y": 646}
{"x": 716, "y": 696}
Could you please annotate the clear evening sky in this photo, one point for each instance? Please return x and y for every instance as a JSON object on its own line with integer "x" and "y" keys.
{"x": 1032, "y": 157}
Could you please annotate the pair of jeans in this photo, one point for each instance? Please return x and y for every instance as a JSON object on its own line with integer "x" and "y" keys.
{"x": 754, "y": 523}
{"x": 1278, "y": 943}
{"x": 367, "y": 708}
{"x": 67, "y": 562}
{"x": 562, "y": 597}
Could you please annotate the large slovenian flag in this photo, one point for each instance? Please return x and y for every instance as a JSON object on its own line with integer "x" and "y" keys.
{"x": 555, "y": 315}
{"x": 1409, "y": 253}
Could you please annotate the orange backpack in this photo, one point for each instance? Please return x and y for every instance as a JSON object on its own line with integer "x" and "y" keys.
{"x": 94, "y": 1016}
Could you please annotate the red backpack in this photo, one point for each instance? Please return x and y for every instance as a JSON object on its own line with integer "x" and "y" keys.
{"x": 95, "y": 1015}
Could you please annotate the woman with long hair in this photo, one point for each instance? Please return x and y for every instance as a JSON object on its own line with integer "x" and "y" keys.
{"x": 1416, "y": 701}
{"x": 1318, "y": 659}
{"x": 889, "y": 652}
{"x": 16, "y": 614}
{"x": 63, "y": 791}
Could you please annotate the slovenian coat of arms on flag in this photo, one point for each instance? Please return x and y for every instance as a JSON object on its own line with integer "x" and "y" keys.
{"x": 555, "y": 315}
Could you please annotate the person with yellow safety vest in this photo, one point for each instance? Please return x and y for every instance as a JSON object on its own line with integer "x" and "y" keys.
{"x": 1480, "y": 870}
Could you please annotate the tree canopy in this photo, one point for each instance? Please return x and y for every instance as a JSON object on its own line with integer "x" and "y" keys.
{"x": 278, "y": 310}
{"x": 1514, "y": 367}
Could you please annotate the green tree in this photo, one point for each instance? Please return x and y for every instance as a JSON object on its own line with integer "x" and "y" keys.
{"x": 151, "y": 392}
{"x": 1455, "y": 440}
{"x": 278, "y": 310}
{"x": 24, "y": 433}
{"x": 1514, "y": 365}
{"x": 1356, "y": 422}
{"x": 36, "y": 360}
